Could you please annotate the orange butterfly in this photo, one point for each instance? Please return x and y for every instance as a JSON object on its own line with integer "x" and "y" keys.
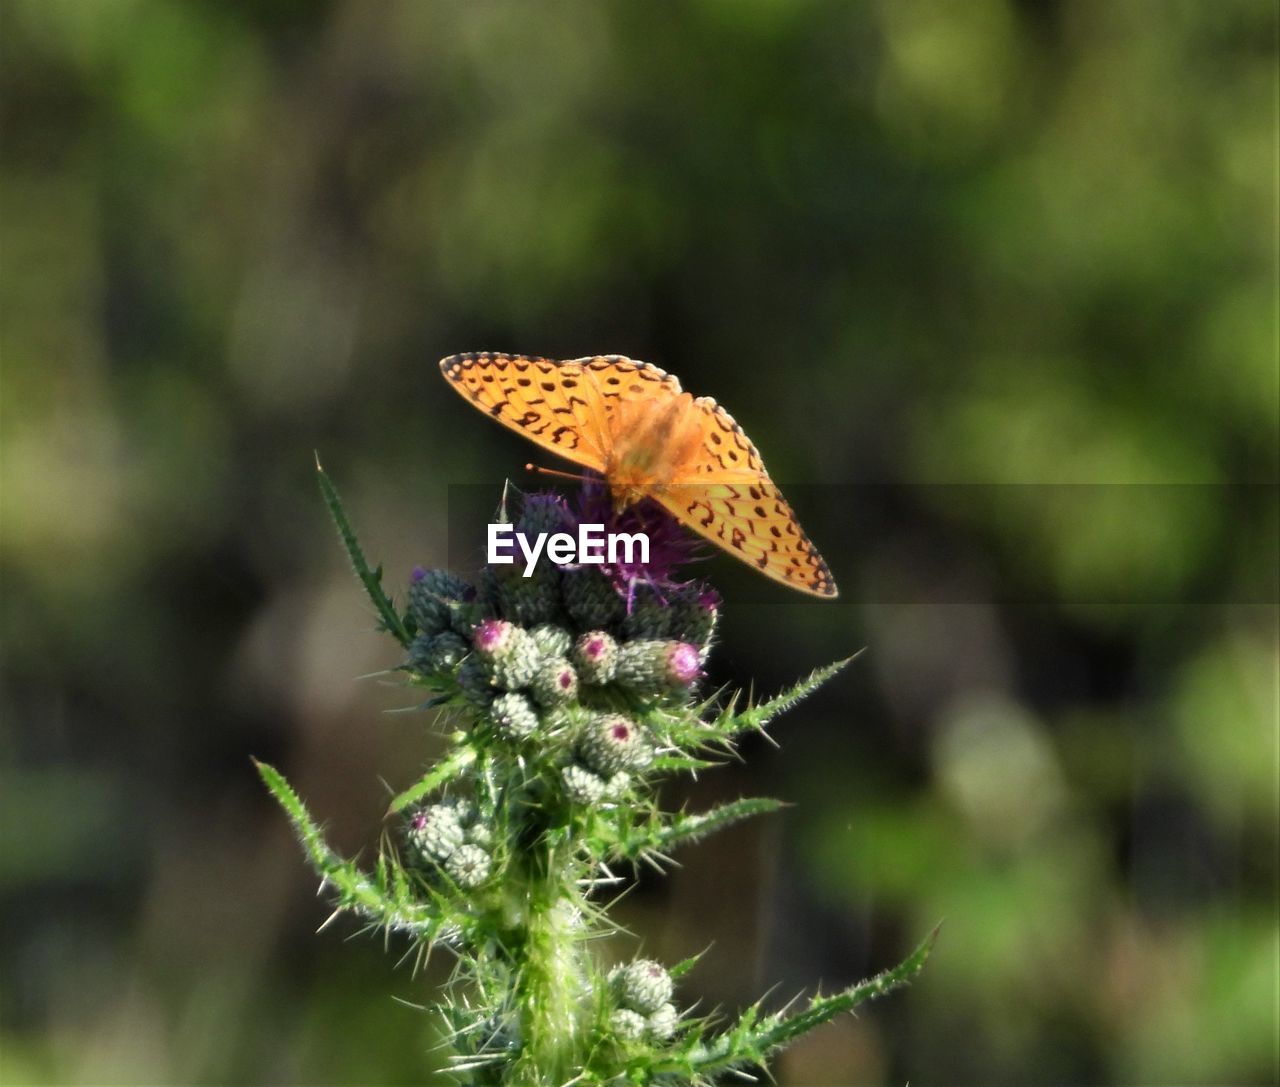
{"x": 632, "y": 423}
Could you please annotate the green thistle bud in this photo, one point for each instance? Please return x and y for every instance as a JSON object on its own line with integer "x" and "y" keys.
{"x": 480, "y": 834}
{"x": 551, "y": 640}
{"x": 432, "y": 597}
{"x": 659, "y": 667}
{"x": 464, "y": 808}
{"x": 581, "y": 785}
{"x": 430, "y": 654}
{"x": 642, "y": 985}
{"x": 465, "y": 616}
{"x": 650, "y": 615}
{"x": 475, "y": 681}
{"x": 435, "y": 832}
{"x": 695, "y": 613}
{"x": 555, "y": 682}
{"x": 628, "y": 1026}
{"x": 591, "y": 599}
{"x": 469, "y": 865}
{"x": 663, "y": 1022}
{"x": 514, "y": 715}
{"x": 596, "y": 656}
{"x": 543, "y": 513}
{"x": 613, "y": 743}
{"x": 530, "y": 600}
{"x": 509, "y": 652}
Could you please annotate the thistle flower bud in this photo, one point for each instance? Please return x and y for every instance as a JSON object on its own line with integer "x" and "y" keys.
{"x": 695, "y": 614}
{"x": 555, "y": 682}
{"x": 434, "y": 653}
{"x": 480, "y": 834}
{"x": 475, "y": 681}
{"x": 659, "y": 667}
{"x": 663, "y": 1022}
{"x": 492, "y": 637}
{"x": 432, "y": 596}
{"x": 514, "y": 715}
{"x": 530, "y": 600}
{"x": 616, "y": 787}
{"x": 642, "y": 985}
{"x": 435, "y": 831}
{"x": 596, "y": 655}
{"x": 628, "y": 1026}
{"x": 650, "y": 616}
{"x": 545, "y": 512}
{"x": 551, "y": 640}
{"x": 581, "y": 785}
{"x": 590, "y": 599}
{"x": 469, "y": 865}
{"x": 509, "y": 652}
{"x": 464, "y": 808}
{"x": 613, "y": 743}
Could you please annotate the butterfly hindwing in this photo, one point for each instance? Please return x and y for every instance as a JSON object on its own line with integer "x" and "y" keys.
{"x": 754, "y": 523}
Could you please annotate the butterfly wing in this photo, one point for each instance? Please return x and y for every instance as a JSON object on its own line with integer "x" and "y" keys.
{"x": 622, "y": 380}
{"x": 555, "y": 404}
{"x": 725, "y": 495}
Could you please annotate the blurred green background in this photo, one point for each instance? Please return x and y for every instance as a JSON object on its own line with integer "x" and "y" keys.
{"x": 942, "y": 260}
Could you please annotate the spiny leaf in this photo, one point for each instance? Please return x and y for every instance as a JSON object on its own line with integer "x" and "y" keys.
{"x": 446, "y": 770}
{"x": 370, "y": 579}
{"x": 683, "y": 828}
{"x": 372, "y": 898}
{"x": 754, "y": 718}
{"x": 754, "y": 1036}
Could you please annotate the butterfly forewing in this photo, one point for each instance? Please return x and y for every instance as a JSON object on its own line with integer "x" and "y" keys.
{"x": 555, "y": 404}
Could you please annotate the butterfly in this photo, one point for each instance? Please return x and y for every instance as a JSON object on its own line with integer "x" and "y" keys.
{"x": 633, "y": 424}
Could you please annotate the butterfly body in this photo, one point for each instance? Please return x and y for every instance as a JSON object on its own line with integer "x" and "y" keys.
{"x": 632, "y": 423}
{"x": 649, "y": 449}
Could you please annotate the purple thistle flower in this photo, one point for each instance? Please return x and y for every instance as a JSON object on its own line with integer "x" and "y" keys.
{"x": 670, "y": 545}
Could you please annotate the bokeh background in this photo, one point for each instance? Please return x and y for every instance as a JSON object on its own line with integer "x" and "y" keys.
{"x": 993, "y": 287}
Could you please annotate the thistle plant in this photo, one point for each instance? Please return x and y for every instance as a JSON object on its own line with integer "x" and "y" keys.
{"x": 567, "y": 696}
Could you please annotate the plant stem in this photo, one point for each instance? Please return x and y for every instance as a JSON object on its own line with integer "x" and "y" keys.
{"x": 550, "y": 968}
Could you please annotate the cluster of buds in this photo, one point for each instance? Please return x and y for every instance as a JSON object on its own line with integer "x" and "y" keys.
{"x": 641, "y": 992}
{"x": 450, "y": 837}
{"x": 566, "y": 661}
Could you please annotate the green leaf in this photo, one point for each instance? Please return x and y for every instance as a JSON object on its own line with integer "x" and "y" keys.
{"x": 754, "y": 718}
{"x": 370, "y": 579}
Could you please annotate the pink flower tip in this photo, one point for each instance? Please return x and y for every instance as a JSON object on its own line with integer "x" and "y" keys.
{"x": 684, "y": 664}
{"x": 491, "y": 634}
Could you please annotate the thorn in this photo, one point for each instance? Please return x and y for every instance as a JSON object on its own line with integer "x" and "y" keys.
{"x": 329, "y": 920}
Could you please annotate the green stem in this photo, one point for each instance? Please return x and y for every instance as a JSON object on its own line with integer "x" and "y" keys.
{"x": 551, "y": 981}
{"x": 553, "y": 985}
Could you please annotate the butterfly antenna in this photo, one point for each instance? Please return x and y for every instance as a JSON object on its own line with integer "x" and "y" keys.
{"x": 554, "y": 472}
